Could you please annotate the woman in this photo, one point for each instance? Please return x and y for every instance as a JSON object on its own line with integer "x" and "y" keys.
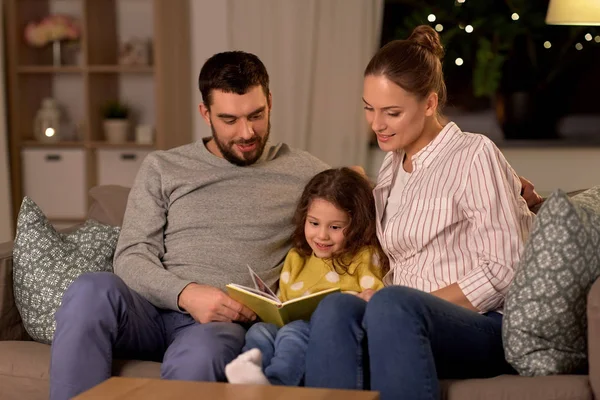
{"x": 452, "y": 221}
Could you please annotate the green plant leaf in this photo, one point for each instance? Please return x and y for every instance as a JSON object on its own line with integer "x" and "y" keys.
{"x": 487, "y": 72}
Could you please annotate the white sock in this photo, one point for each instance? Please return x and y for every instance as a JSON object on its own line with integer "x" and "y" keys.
{"x": 247, "y": 368}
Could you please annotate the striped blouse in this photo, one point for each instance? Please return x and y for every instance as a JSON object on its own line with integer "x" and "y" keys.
{"x": 460, "y": 218}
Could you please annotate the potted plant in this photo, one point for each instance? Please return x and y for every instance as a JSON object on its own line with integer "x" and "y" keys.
{"x": 116, "y": 121}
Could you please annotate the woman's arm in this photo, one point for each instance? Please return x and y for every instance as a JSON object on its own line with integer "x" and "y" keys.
{"x": 499, "y": 222}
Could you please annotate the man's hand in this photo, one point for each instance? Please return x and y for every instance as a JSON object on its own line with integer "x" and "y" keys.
{"x": 366, "y": 294}
{"x": 529, "y": 194}
{"x": 359, "y": 169}
{"x": 209, "y": 304}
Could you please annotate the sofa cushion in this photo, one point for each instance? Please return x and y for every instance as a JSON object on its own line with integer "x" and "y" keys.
{"x": 109, "y": 204}
{"x": 24, "y": 370}
{"x": 544, "y": 327}
{"x": 46, "y": 262}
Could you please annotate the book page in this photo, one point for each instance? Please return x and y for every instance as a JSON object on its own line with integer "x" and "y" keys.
{"x": 261, "y": 286}
{"x": 255, "y": 292}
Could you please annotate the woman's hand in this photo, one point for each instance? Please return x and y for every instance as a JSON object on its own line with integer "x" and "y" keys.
{"x": 454, "y": 295}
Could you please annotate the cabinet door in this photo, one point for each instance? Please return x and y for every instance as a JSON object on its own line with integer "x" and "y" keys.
{"x": 55, "y": 180}
{"x": 119, "y": 167}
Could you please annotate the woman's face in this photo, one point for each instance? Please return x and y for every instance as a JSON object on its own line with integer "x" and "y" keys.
{"x": 396, "y": 116}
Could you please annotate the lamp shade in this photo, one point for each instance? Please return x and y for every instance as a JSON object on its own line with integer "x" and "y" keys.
{"x": 573, "y": 12}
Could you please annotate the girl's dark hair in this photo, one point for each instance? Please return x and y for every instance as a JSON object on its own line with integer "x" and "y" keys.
{"x": 351, "y": 192}
{"x": 413, "y": 64}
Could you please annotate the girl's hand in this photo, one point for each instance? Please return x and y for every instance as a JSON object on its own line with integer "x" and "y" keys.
{"x": 366, "y": 294}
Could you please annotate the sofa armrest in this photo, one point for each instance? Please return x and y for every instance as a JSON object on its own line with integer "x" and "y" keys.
{"x": 593, "y": 320}
{"x": 11, "y": 326}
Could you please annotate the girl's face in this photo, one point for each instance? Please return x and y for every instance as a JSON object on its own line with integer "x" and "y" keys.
{"x": 396, "y": 116}
{"x": 324, "y": 228}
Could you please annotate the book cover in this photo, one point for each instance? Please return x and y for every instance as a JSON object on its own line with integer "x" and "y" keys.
{"x": 267, "y": 305}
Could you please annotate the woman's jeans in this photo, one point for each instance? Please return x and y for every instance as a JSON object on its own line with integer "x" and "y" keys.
{"x": 401, "y": 343}
{"x": 283, "y": 350}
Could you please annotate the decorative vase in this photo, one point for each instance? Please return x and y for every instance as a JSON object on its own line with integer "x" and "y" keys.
{"x": 116, "y": 130}
{"x": 47, "y": 121}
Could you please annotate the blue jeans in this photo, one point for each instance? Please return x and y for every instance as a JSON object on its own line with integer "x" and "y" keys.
{"x": 401, "y": 343}
{"x": 101, "y": 319}
{"x": 283, "y": 350}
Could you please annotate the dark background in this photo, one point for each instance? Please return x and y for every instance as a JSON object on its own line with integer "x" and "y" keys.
{"x": 506, "y": 67}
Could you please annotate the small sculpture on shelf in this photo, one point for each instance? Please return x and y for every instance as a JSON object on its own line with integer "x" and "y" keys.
{"x": 53, "y": 29}
{"x": 46, "y": 127}
{"x": 135, "y": 51}
{"x": 116, "y": 121}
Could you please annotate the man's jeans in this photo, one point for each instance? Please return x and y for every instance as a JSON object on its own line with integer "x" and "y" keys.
{"x": 401, "y": 343}
{"x": 283, "y": 350}
{"x": 101, "y": 318}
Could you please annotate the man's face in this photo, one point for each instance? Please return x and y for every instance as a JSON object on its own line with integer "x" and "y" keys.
{"x": 240, "y": 124}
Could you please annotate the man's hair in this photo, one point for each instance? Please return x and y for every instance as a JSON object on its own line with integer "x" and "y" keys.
{"x": 232, "y": 72}
{"x": 352, "y": 193}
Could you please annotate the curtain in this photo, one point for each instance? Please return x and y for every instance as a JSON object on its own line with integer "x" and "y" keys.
{"x": 315, "y": 52}
{"x": 5, "y": 197}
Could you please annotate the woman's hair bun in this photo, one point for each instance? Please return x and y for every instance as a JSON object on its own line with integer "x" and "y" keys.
{"x": 427, "y": 37}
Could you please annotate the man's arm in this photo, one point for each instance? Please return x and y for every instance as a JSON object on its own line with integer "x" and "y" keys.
{"x": 141, "y": 248}
{"x": 529, "y": 194}
{"x": 141, "y": 242}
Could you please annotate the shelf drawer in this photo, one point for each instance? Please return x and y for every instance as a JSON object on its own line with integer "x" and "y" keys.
{"x": 119, "y": 167}
{"x": 55, "y": 180}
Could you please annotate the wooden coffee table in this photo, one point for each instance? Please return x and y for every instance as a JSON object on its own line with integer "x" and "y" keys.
{"x": 150, "y": 389}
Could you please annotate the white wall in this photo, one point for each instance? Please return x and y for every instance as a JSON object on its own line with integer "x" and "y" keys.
{"x": 209, "y": 36}
{"x": 548, "y": 168}
{"x": 5, "y": 208}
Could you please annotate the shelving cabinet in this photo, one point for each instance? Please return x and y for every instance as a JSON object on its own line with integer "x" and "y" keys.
{"x": 58, "y": 175}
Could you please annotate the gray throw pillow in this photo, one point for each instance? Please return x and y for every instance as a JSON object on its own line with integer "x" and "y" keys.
{"x": 46, "y": 262}
{"x": 544, "y": 327}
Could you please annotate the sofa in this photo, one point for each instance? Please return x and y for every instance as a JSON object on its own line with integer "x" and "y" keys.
{"x": 24, "y": 364}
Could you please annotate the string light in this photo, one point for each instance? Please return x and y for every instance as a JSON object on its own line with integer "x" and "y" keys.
{"x": 588, "y": 37}
{"x": 461, "y": 1}
{"x": 515, "y": 16}
{"x": 547, "y": 44}
{"x": 431, "y": 18}
{"x": 459, "y": 61}
{"x": 579, "y": 46}
{"x": 439, "y": 27}
{"x": 468, "y": 29}
{"x": 597, "y": 39}
{"x": 461, "y": 26}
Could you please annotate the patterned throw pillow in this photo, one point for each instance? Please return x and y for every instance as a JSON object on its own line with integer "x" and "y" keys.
{"x": 544, "y": 328}
{"x": 46, "y": 262}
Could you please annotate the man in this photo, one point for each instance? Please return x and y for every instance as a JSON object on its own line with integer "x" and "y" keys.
{"x": 196, "y": 217}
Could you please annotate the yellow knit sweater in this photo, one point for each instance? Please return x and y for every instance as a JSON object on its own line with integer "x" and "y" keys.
{"x": 301, "y": 275}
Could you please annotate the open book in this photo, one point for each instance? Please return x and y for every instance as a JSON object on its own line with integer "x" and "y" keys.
{"x": 267, "y": 305}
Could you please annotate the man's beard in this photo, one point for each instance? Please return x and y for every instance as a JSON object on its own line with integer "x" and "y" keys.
{"x": 247, "y": 158}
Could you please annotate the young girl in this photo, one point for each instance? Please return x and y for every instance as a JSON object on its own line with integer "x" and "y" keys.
{"x": 335, "y": 245}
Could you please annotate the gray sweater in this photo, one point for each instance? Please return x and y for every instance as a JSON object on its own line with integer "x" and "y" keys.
{"x": 195, "y": 217}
